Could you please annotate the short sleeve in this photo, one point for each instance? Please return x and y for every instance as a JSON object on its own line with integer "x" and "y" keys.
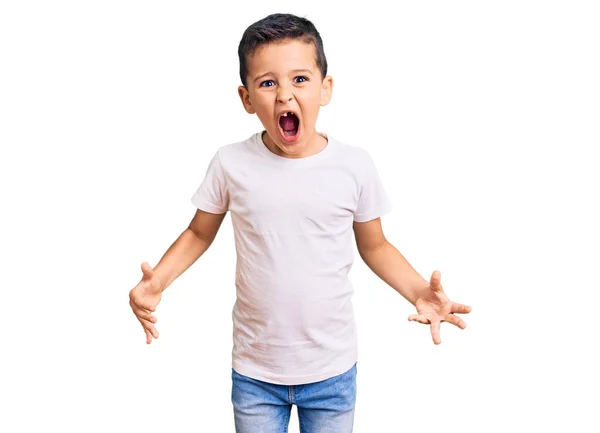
{"x": 373, "y": 200}
{"x": 212, "y": 195}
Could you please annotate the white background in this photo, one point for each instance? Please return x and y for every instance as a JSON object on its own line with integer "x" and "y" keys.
{"x": 482, "y": 118}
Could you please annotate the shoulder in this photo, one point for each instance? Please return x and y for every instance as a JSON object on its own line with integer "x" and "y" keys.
{"x": 236, "y": 147}
{"x": 236, "y": 152}
{"x": 354, "y": 156}
{"x": 351, "y": 150}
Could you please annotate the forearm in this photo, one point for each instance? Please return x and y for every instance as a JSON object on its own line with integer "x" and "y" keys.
{"x": 181, "y": 255}
{"x": 391, "y": 266}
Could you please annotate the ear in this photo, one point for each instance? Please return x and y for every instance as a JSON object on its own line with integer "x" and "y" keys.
{"x": 326, "y": 90}
{"x": 245, "y": 97}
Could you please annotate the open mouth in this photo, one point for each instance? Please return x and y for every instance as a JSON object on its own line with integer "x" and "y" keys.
{"x": 289, "y": 126}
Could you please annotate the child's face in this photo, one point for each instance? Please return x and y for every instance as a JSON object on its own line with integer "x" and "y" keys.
{"x": 283, "y": 77}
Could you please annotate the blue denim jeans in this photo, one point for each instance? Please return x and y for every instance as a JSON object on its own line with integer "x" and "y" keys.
{"x": 323, "y": 407}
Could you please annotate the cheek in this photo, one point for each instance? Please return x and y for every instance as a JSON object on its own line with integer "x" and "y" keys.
{"x": 264, "y": 104}
{"x": 316, "y": 97}
{"x": 312, "y": 105}
{"x": 262, "y": 109}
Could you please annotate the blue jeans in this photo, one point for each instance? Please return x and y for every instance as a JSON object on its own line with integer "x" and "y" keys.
{"x": 323, "y": 407}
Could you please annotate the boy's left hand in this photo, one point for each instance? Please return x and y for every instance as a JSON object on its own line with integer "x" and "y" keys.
{"x": 434, "y": 307}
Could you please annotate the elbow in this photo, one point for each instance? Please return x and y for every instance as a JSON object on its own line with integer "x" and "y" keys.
{"x": 200, "y": 236}
{"x": 367, "y": 253}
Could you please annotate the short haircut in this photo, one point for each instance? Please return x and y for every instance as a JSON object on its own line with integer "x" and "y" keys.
{"x": 277, "y": 27}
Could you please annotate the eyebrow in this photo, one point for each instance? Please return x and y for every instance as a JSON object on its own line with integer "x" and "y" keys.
{"x": 295, "y": 70}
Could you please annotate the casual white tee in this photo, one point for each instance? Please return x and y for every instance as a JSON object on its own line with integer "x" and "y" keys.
{"x": 293, "y": 320}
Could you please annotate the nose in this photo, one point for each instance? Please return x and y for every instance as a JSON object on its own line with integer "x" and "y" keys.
{"x": 284, "y": 95}
{"x": 283, "y": 98}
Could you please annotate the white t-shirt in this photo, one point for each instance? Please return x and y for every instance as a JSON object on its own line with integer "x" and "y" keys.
{"x": 293, "y": 321}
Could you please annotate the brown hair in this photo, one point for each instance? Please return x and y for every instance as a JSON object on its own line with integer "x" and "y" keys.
{"x": 276, "y": 27}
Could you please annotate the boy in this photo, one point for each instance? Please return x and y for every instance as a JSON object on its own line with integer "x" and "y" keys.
{"x": 296, "y": 196}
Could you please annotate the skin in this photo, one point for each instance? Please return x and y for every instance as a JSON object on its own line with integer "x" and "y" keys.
{"x": 432, "y": 305}
{"x": 275, "y": 83}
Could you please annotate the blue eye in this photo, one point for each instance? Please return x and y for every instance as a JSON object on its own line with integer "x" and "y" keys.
{"x": 271, "y": 81}
{"x": 261, "y": 84}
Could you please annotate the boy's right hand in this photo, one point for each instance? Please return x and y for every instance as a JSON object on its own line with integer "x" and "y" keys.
{"x": 144, "y": 299}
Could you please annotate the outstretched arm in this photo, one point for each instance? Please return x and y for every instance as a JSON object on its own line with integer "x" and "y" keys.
{"x": 189, "y": 246}
{"x": 433, "y": 306}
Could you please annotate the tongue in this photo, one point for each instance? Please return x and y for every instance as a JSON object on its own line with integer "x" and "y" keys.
{"x": 289, "y": 122}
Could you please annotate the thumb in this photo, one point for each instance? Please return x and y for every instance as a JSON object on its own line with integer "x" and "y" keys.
{"x": 435, "y": 282}
{"x": 147, "y": 271}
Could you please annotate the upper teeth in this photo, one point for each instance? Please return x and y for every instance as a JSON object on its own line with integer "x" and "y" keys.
{"x": 285, "y": 114}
